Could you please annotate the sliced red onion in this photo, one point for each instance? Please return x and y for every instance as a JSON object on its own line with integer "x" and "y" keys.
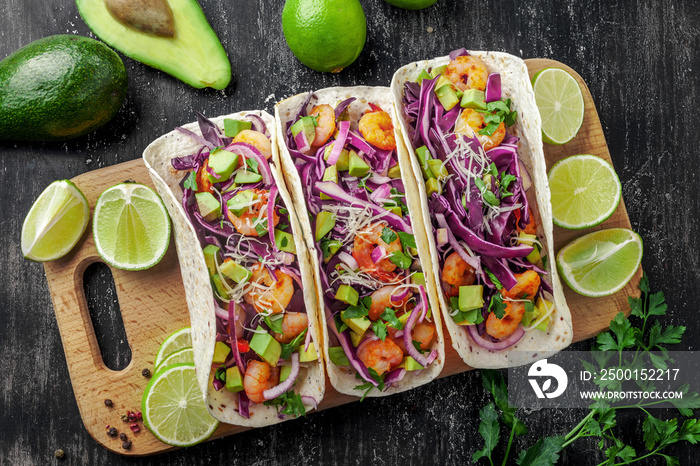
{"x": 343, "y": 128}
{"x": 248, "y": 151}
{"x": 458, "y": 53}
{"x": 288, "y": 383}
{"x": 378, "y": 253}
{"x": 293, "y": 274}
{"x": 426, "y": 304}
{"x": 493, "y": 87}
{"x": 381, "y": 194}
{"x": 270, "y": 216}
{"x": 301, "y": 141}
{"x": 474, "y": 262}
{"x": 243, "y": 404}
{"x": 222, "y": 313}
{"x": 408, "y": 341}
{"x": 400, "y": 296}
{"x": 310, "y": 400}
{"x": 379, "y": 179}
{"x": 218, "y": 384}
{"x": 497, "y": 345}
{"x": 399, "y": 334}
{"x": 394, "y": 376}
{"x": 525, "y": 175}
{"x": 232, "y": 319}
{"x": 287, "y": 258}
{"x": 442, "y": 236}
{"x": 348, "y": 260}
{"x": 213, "y": 173}
{"x": 258, "y": 123}
{"x": 359, "y": 143}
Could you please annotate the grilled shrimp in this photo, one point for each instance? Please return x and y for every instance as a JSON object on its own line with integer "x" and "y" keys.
{"x": 365, "y": 242}
{"x": 326, "y": 123}
{"x": 531, "y": 227}
{"x": 377, "y": 128}
{"x": 266, "y": 294}
{"x": 386, "y": 297}
{"x": 257, "y": 140}
{"x": 467, "y": 72}
{"x": 293, "y": 323}
{"x": 455, "y": 273}
{"x": 382, "y": 356}
{"x": 259, "y": 376}
{"x": 526, "y": 287}
{"x": 255, "y": 215}
{"x": 470, "y": 122}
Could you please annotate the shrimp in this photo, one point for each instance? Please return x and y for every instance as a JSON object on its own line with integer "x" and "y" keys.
{"x": 377, "y": 128}
{"x": 526, "y": 287}
{"x": 470, "y": 122}
{"x": 202, "y": 177}
{"x": 267, "y": 294}
{"x": 257, "y": 140}
{"x": 455, "y": 273}
{"x": 259, "y": 376}
{"x": 423, "y": 333}
{"x": 531, "y": 227}
{"x": 293, "y": 323}
{"x": 245, "y": 223}
{"x": 386, "y": 297}
{"x": 326, "y": 123}
{"x": 467, "y": 72}
{"x": 382, "y": 356}
{"x": 365, "y": 241}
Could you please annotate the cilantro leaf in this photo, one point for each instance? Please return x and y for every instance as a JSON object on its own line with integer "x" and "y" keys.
{"x": 497, "y": 306}
{"x": 625, "y": 335}
{"x": 274, "y": 322}
{"x": 543, "y": 453}
{"x": 191, "y": 182}
{"x": 670, "y": 335}
{"x": 288, "y": 348}
{"x": 493, "y": 278}
{"x": 489, "y": 197}
{"x": 407, "y": 240}
{"x": 289, "y": 404}
{"x": 253, "y": 165}
{"x": 388, "y": 235}
{"x": 488, "y": 428}
{"x": 340, "y": 326}
{"x": 261, "y": 227}
{"x": 506, "y": 180}
{"x": 389, "y": 316}
{"x": 379, "y": 329}
{"x": 400, "y": 259}
{"x": 495, "y": 383}
{"x": 359, "y": 310}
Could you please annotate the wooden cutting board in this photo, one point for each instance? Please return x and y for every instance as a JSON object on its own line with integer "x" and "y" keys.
{"x": 152, "y": 303}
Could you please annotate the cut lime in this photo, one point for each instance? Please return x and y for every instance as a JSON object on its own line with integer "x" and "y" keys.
{"x": 176, "y": 357}
{"x": 585, "y": 191}
{"x": 131, "y": 227}
{"x": 175, "y": 342}
{"x": 55, "y": 222}
{"x": 560, "y": 102}
{"x": 173, "y": 407}
{"x": 600, "y": 263}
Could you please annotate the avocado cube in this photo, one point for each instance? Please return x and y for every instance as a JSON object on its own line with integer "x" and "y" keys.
{"x": 342, "y": 163}
{"x": 424, "y": 156}
{"x": 266, "y": 346}
{"x": 308, "y": 355}
{"x": 356, "y": 338}
{"x": 441, "y": 82}
{"x": 543, "y": 306}
{"x": 211, "y": 254}
{"x": 284, "y": 373}
{"x": 438, "y": 169}
{"x": 347, "y": 294}
{"x": 285, "y": 241}
{"x": 530, "y": 240}
{"x": 333, "y": 246}
{"x": 423, "y": 75}
{"x": 221, "y": 352}
{"x": 394, "y": 209}
{"x": 447, "y": 97}
{"x": 208, "y": 205}
{"x": 410, "y": 364}
{"x": 473, "y": 98}
{"x": 403, "y": 318}
{"x": 418, "y": 278}
{"x": 437, "y": 71}
{"x": 238, "y": 204}
{"x": 471, "y": 297}
{"x": 246, "y": 176}
{"x": 306, "y": 124}
{"x": 459, "y": 93}
{"x": 394, "y": 172}
{"x": 234, "y": 381}
{"x": 433, "y": 186}
{"x": 235, "y": 272}
{"x": 337, "y": 356}
{"x": 358, "y": 325}
{"x": 223, "y": 163}
{"x": 219, "y": 286}
{"x": 233, "y": 127}
{"x": 331, "y": 174}
{"x": 357, "y": 166}
{"x": 325, "y": 221}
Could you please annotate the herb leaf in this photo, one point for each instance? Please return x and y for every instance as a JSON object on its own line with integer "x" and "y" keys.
{"x": 191, "y": 182}
{"x": 388, "y": 235}
{"x": 407, "y": 240}
{"x": 497, "y": 306}
{"x": 488, "y": 428}
{"x": 400, "y": 259}
{"x": 289, "y": 404}
{"x": 543, "y": 453}
{"x": 288, "y": 348}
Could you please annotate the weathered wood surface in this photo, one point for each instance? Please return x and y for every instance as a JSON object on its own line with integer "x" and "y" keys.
{"x": 640, "y": 61}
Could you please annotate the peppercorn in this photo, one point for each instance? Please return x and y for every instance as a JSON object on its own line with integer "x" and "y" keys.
{"x": 108, "y": 403}
{"x": 125, "y": 418}
{"x": 122, "y": 436}
{"x": 112, "y": 432}
{"x": 134, "y": 427}
{"x": 59, "y": 454}
{"x": 132, "y": 416}
{"x": 139, "y": 416}
{"x": 126, "y": 445}
{"x": 146, "y": 372}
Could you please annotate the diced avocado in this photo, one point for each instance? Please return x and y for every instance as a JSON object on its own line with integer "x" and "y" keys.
{"x": 325, "y": 221}
{"x": 447, "y": 97}
{"x": 424, "y": 156}
{"x": 223, "y": 163}
{"x": 221, "y": 352}
{"x": 433, "y": 186}
{"x": 208, "y": 205}
{"x": 438, "y": 169}
{"x": 211, "y": 255}
{"x": 403, "y": 318}
{"x": 394, "y": 209}
{"x": 418, "y": 278}
{"x": 235, "y": 272}
{"x": 437, "y": 71}
{"x": 423, "y": 75}
{"x": 487, "y": 179}
{"x": 471, "y": 297}
{"x": 441, "y": 82}
{"x": 284, "y": 373}
{"x": 306, "y": 124}
{"x": 285, "y": 241}
{"x": 544, "y": 306}
{"x": 265, "y": 346}
{"x": 337, "y": 355}
{"x": 473, "y": 98}
{"x": 410, "y": 364}
{"x": 233, "y": 127}
{"x": 356, "y": 338}
{"x": 333, "y": 246}
{"x": 342, "y": 163}
{"x": 459, "y": 93}
{"x": 234, "y": 381}
{"x": 357, "y": 166}
{"x": 331, "y": 174}
{"x": 308, "y": 355}
{"x": 358, "y": 325}
{"x": 394, "y": 172}
{"x": 239, "y": 203}
{"x": 219, "y": 286}
{"x": 347, "y": 294}
{"x": 246, "y": 176}
{"x": 530, "y": 240}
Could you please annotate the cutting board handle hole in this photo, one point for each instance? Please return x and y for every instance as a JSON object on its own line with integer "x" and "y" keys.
{"x": 106, "y": 316}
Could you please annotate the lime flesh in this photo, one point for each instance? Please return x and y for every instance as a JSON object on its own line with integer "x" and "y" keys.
{"x": 560, "y": 102}
{"x": 176, "y": 341}
{"x": 600, "y": 263}
{"x": 176, "y": 357}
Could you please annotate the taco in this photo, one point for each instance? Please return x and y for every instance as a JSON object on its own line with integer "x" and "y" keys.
{"x": 472, "y": 138}
{"x": 381, "y": 326}
{"x": 252, "y": 307}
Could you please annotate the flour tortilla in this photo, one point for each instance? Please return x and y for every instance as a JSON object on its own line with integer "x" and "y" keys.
{"x": 223, "y": 404}
{"x": 343, "y": 378}
{"x": 515, "y": 82}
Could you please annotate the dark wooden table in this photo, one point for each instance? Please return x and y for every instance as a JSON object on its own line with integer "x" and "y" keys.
{"x": 641, "y": 63}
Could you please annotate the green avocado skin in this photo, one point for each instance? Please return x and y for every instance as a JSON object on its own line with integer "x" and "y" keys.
{"x": 58, "y": 88}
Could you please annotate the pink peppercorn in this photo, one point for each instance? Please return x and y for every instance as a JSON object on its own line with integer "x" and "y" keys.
{"x": 134, "y": 427}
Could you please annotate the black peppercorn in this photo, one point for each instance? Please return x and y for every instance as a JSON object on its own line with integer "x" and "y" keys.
{"x": 146, "y": 372}
{"x": 126, "y": 445}
{"x": 125, "y": 418}
{"x": 112, "y": 432}
{"x": 108, "y": 403}
{"x": 122, "y": 436}
{"x": 59, "y": 454}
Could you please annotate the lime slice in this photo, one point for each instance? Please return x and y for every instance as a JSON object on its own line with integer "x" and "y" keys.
{"x": 585, "y": 191}
{"x": 173, "y": 407}
{"x": 131, "y": 227}
{"x": 55, "y": 223}
{"x": 175, "y": 342}
{"x": 600, "y": 263}
{"x": 176, "y": 357}
{"x": 560, "y": 102}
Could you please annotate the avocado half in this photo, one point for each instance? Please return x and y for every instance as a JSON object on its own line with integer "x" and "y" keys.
{"x": 194, "y": 55}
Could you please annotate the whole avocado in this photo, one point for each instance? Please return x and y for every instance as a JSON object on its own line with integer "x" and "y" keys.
{"x": 58, "y": 88}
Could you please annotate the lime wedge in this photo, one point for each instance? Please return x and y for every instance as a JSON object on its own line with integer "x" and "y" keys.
{"x": 560, "y": 102}
{"x": 173, "y": 407}
{"x": 55, "y": 222}
{"x": 131, "y": 227}
{"x": 600, "y": 263}
{"x": 176, "y": 341}
{"x": 176, "y": 357}
{"x": 585, "y": 191}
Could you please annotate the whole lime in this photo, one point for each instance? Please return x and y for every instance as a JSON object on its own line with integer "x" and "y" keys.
{"x": 412, "y": 4}
{"x": 325, "y": 35}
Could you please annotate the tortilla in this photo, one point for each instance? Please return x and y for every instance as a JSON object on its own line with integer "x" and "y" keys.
{"x": 195, "y": 276}
{"x": 516, "y": 85}
{"x": 342, "y": 379}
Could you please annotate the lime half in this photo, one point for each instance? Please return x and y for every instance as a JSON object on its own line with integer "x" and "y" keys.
{"x": 585, "y": 191}
{"x": 176, "y": 341}
{"x": 131, "y": 227}
{"x": 176, "y": 357}
{"x": 600, "y": 263}
{"x": 560, "y": 102}
{"x": 173, "y": 407}
{"x": 55, "y": 222}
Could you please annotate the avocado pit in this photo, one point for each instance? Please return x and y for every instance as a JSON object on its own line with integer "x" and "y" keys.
{"x": 149, "y": 16}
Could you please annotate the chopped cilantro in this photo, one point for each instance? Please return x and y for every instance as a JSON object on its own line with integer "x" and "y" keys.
{"x": 283, "y": 211}
{"x": 253, "y": 165}
{"x": 360, "y": 310}
{"x": 220, "y": 374}
{"x": 486, "y": 193}
{"x": 388, "y": 235}
{"x": 340, "y": 326}
{"x": 400, "y": 259}
{"x": 497, "y": 306}
{"x": 389, "y": 316}
{"x": 493, "y": 278}
{"x": 191, "y": 182}
{"x": 288, "y": 348}
{"x": 288, "y": 403}
{"x": 379, "y": 329}
{"x": 407, "y": 240}
{"x": 274, "y": 322}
